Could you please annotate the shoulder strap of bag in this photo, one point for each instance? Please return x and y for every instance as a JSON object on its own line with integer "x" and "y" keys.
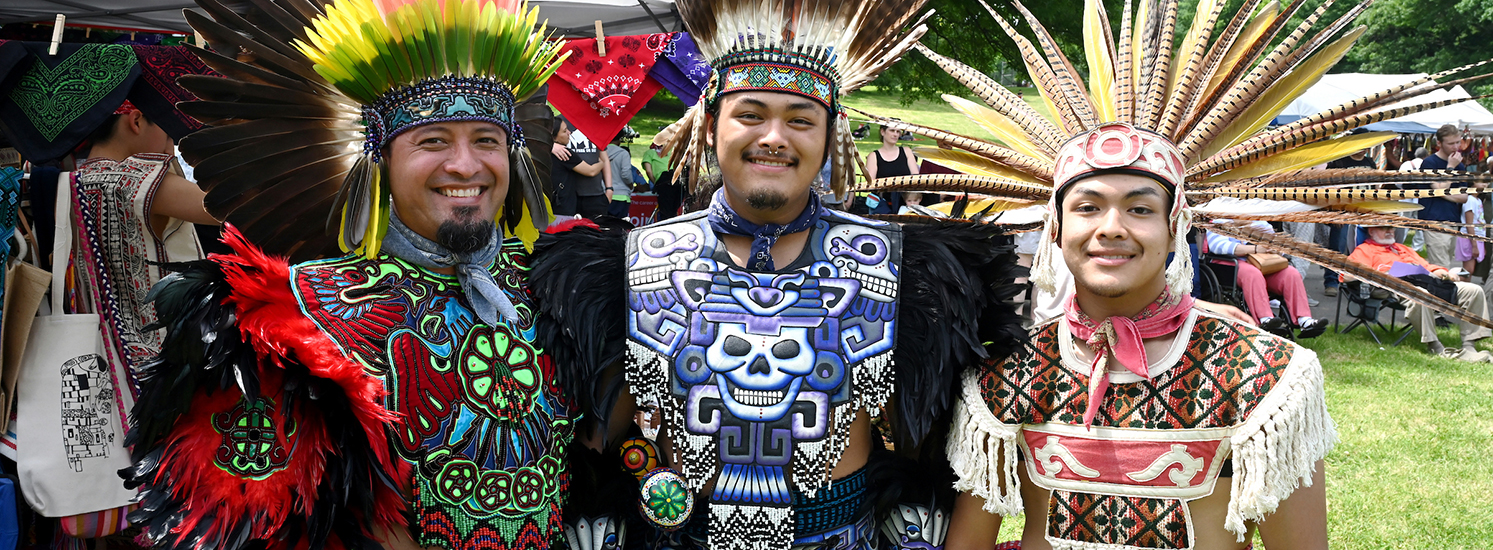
{"x": 62, "y": 242}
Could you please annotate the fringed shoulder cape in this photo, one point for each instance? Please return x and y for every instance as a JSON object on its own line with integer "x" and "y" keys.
{"x": 251, "y": 425}
{"x": 1226, "y": 401}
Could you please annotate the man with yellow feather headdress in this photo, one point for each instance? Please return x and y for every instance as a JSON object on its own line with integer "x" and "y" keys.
{"x": 393, "y": 396}
{"x": 1136, "y": 420}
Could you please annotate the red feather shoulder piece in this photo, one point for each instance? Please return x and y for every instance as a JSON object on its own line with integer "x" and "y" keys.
{"x": 251, "y": 425}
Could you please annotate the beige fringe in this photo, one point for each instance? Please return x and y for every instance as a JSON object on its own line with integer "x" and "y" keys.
{"x": 1179, "y": 272}
{"x": 1276, "y": 449}
{"x": 982, "y": 451}
{"x": 1044, "y": 274}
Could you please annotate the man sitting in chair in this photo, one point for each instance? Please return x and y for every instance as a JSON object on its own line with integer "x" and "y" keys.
{"x": 1381, "y": 251}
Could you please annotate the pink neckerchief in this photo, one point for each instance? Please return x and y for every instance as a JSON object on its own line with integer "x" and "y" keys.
{"x": 1124, "y": 337}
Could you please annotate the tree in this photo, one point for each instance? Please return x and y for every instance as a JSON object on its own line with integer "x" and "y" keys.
{"x": 1424, "y": 36}
{"x": 963, "y": 30}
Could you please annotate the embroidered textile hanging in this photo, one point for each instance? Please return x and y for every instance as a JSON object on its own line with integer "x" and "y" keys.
{"x": 601, "y": 94}
{"x": 50, "y": 105}
{"x": 156, "y": 92}
{"x": 681, "y": 70}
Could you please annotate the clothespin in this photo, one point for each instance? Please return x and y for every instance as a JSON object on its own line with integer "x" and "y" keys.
{"x": 57, "y": 34}
{"x": 601, "y": 41}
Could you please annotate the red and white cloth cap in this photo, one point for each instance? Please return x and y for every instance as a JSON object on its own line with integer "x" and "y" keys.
{"x": 1116, "y": 147}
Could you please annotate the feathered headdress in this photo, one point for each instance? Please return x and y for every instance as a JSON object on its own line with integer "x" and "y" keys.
{"x": 819, "y": 49}
{"x": 315, "y": 90}
{"x": 1195, "y": 118}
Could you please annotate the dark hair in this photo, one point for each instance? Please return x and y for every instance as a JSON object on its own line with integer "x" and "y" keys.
{"x": 559, "y": 122}
{"x": 1170, "y": 189}
{"x": 104, "y": 132}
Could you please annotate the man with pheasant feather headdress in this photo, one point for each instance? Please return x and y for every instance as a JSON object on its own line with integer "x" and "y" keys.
{"x": 770, "y": 330}
{"x": 1135, "y": 420}
{"x": 393, "y": 394}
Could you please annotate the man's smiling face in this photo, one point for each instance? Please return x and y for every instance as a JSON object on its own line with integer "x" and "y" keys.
{"x": 1115, "y": 235}
{"x": 451, "y": 174}
{"x": 770, "y": 146}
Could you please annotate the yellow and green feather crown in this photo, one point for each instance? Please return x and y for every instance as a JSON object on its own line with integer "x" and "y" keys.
{"x": 367, "y": 49}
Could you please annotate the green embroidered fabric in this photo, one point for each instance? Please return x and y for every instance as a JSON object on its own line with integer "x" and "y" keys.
{"x": 54, "y": 96}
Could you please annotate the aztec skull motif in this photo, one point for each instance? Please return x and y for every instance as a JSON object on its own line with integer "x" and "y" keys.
{"x": 761, "y": 367}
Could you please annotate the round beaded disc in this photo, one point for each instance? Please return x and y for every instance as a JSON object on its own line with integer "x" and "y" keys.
{"x": 639, "y": 456}
{"x": 665, "y": 502}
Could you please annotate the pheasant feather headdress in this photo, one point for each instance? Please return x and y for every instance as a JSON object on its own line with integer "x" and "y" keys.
{"x": 819, "y": 49}
{"x": 1195, "y": 118}
{"x": 316, "y": 89}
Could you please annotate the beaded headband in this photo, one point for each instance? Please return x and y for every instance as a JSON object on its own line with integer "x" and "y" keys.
{"x": 445, "y": 99}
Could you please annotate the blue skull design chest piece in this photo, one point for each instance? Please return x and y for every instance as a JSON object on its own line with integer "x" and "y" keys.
{"x": 760, "y": 374}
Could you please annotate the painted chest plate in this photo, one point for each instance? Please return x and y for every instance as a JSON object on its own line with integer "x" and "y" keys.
{"x": 759, "y": 374}
{"x": 483, "y": 425}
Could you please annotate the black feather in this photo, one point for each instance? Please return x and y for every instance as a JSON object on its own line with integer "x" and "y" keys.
{"x": 955, "y": 311}
{"x": 204, "y": 353}
{"x": 578, "y": 281}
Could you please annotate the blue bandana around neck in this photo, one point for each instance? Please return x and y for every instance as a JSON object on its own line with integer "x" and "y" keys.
{"x": 487, "y": 299}
{"x": 725, "y": 220}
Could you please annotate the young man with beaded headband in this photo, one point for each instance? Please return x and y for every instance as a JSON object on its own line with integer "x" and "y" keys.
{"x": 393, "y": 396}
{"x": 1135, "y": 420}
{"x": 769, "y": 329}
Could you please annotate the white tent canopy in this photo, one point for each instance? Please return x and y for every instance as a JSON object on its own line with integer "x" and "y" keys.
{"x": 570, "y": 18}
{"x": 1336, "y": 89}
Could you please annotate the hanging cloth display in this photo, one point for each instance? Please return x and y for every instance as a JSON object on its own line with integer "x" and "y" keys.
{"x": 681, "y": 70}
{"x": 156, "y": 92}
{"x": 599, "y": 95}
{"x": 53, "y": 103}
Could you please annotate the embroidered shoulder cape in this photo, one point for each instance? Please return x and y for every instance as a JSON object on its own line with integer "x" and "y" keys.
{"x": 307, "y": 405}
{"x": 1229, "y": 392}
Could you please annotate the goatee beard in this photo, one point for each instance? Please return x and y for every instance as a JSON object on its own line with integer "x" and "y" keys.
{"x": 464, "y": 233}
{"x": 766, "y": 200}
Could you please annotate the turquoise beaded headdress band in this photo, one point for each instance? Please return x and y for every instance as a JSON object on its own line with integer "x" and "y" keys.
{"x": 776, "y": 71}
{"x": 445, "y": 99}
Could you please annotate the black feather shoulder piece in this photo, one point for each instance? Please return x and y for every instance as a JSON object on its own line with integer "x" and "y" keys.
{"x": 578, "y": 276}
{"x": 251, "y": 425}
{"x": 956, "y": 310}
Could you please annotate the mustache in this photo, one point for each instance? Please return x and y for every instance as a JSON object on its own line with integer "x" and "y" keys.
{"x": 749, "y": 153}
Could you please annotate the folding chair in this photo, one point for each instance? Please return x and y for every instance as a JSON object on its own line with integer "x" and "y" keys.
{"x": 1365, "y": 302}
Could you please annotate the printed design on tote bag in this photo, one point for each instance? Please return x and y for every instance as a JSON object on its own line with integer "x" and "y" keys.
{"x": 87, "y": 402}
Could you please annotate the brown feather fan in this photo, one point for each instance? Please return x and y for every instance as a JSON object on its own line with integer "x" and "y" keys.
{"x": 283, "y": 140}
{"x": 1341, "y": 264}
{"x": 1212, "y": 95}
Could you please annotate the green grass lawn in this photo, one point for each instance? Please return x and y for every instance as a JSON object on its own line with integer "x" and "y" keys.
{"x": 1412, "y": 467}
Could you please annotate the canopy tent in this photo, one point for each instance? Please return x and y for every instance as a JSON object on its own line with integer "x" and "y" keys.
{"x": 569, "y": 18}
{"x": 1335, "y": 89}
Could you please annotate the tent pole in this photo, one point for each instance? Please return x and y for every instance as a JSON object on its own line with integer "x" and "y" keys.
{"x": 651, "y": 16}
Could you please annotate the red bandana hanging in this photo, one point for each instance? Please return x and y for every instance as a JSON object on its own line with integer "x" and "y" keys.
{"x": 601, "y": 94}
